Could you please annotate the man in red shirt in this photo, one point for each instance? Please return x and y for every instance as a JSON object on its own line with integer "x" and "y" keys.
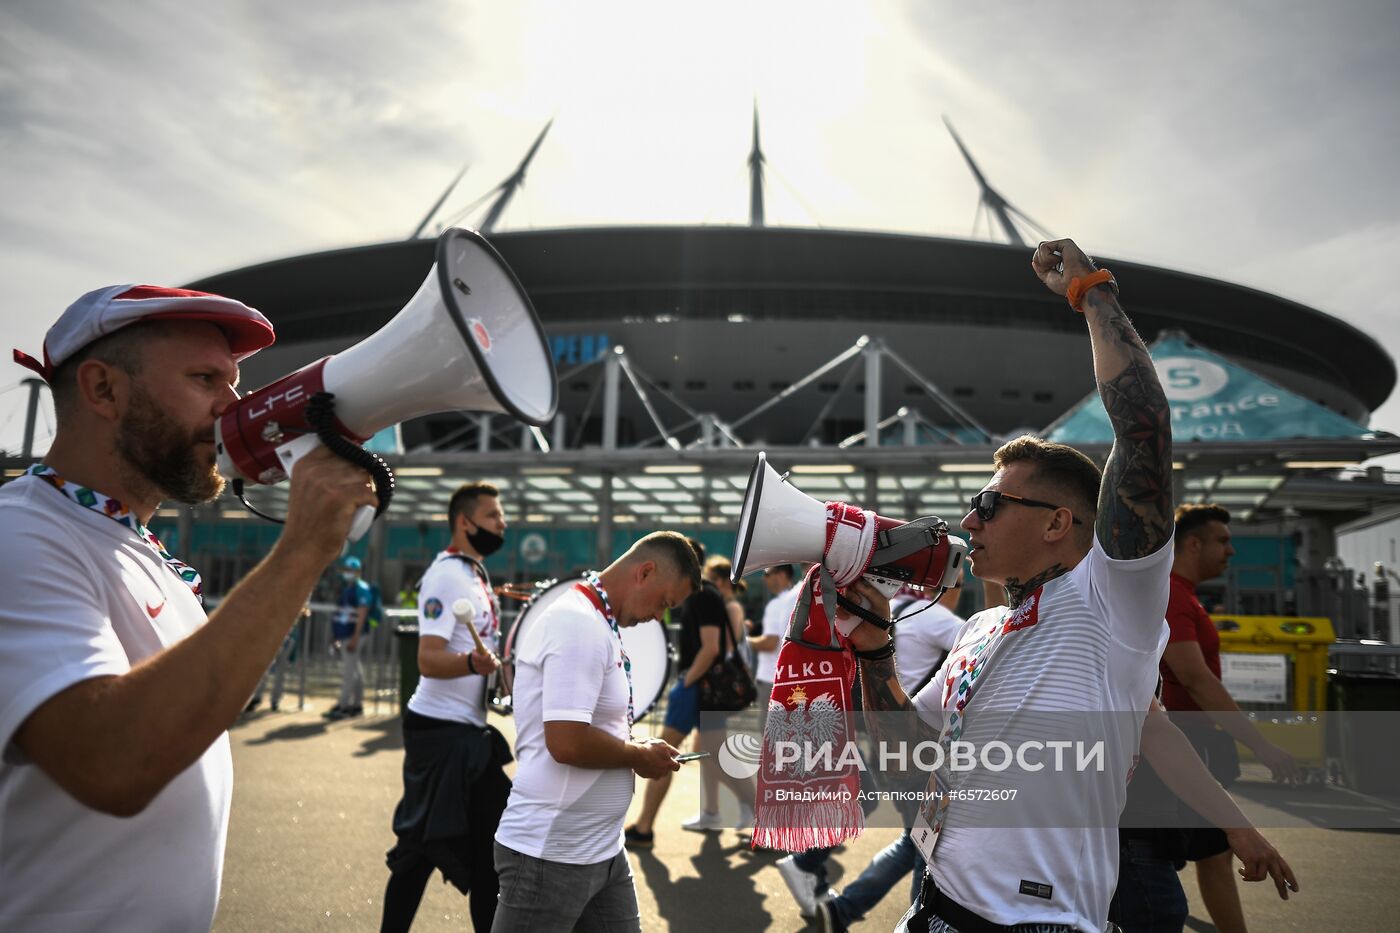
{"x": 1191, "y": 684}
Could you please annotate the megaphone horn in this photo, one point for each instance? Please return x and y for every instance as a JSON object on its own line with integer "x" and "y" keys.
{"x": 782, "y": 525}
{"x": 468, "y": 340}
{"x": 779, "y": 524}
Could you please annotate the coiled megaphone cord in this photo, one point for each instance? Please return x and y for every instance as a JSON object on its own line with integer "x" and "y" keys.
{"x": 320, "y": 414}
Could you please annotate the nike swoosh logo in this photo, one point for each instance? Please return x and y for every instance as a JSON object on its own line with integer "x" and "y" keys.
{"x": 154, "y": 612}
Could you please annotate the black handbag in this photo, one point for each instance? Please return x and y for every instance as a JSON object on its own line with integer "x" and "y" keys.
{"x": 727, "y": 686}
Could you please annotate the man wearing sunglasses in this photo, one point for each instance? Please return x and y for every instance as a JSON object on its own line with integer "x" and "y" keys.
{"x": 1082, "y": 558}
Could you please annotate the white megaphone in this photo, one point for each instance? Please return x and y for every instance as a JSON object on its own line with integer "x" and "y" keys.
{"x": 783, "y": 525}
{"x": 468, "y": 340}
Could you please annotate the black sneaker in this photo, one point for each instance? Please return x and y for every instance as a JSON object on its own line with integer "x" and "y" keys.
{"x": 335, "y": 712}
{"x": 634, "y": 838}
{"x": 828, "y": 919}
{"x": 353, "y": 711}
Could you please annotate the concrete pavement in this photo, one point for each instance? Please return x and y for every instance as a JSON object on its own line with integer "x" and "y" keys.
{"x": 311, "y": 822}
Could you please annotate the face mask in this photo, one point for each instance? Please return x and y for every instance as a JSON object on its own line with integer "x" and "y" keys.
{"x": 347, "y": 577}
{"x": 485, "y": 542}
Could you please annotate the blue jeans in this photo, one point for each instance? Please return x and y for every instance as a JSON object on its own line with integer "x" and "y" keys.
{"x": 1149, "y": 898}
{"x": 539, "y": 896}
{"x": 890, "y": 864}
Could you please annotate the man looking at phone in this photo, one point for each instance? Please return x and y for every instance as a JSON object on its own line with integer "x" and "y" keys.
{"x": 559, "y": 846}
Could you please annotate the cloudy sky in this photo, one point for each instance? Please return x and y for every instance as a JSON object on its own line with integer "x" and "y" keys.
{"x": 163, "y": 140}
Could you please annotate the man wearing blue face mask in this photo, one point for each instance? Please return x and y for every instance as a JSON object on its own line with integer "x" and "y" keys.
{"x": 349, "y": 631}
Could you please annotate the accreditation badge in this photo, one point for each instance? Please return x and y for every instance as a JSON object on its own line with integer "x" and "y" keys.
{"x": 925, "y": 837}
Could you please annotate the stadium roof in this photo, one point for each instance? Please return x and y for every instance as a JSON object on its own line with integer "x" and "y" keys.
{"x": 622, "y": 273}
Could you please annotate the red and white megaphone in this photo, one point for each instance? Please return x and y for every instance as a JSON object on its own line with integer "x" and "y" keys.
{"x": 783, "y": 525}
{"x": 468, "y": 340}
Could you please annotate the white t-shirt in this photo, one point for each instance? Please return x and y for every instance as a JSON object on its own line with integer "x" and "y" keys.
{"x": 457, "y": 699}
{"x": 922, "y": 640}
{"x": 776, "y": 616}
{"x": 568, "y": 669}
{"x": 84, "y": 597}
{"x": 1087, "y": 646}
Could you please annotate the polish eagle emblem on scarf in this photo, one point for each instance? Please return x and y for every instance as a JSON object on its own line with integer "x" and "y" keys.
{"x": 812, "y": 724}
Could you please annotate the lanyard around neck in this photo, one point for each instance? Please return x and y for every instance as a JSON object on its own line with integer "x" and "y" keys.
{"x": 598, "y": 596}
{"x": 111, "y": 508}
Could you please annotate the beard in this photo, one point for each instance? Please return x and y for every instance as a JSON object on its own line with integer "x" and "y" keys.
{"x": 164, "y": 454}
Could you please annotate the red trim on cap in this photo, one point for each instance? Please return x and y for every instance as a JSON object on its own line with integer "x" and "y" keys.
{"x": 28, "y": 362}
{"x": 138, "y": 292}
{"x": 245, "y": 334}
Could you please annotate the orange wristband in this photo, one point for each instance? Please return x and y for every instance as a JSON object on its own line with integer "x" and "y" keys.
{"x": 1081, "y": 284}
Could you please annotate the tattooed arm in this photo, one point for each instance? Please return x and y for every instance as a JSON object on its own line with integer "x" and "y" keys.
{"x": 890, "y": 716}
{"x": 1135, "y": 500}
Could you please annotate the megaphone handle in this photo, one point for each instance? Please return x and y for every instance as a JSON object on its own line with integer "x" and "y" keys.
{"x": 847, "y": 624}
{"x": 364, "y": 517}
{"x": 289, "y": 453}
{"x": 886, "y": 586}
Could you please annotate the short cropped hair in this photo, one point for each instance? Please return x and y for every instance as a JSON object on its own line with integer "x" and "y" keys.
{"x": 784, "y": 569}
{"x": 670, "y": 548}
{"x": 464, "y": 500}
{"x": 121, "y": 349}
{"x": 1195, "y": 516}
{"x": 699, "y": 550}
{"x": 1057, "y": 465}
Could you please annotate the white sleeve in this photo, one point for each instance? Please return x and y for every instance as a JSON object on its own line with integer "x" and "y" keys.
{"x": 1132, "y": 594}
{"x": 946, "y": 631}
{"x": 442, "y": 586}
{"x": 55, "y": 630}
{"x": 776, "y": 615}
{"x": 928, "y": 702}
{"x": 573, "y": 662}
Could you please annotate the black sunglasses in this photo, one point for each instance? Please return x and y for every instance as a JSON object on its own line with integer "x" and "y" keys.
{"x": 985, "y": 504}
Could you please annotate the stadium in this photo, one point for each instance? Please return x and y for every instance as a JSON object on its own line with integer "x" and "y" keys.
{"x": 879, "y": 368}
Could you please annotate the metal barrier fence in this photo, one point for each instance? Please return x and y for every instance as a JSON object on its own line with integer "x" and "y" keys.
{"x": 314, "y": 666}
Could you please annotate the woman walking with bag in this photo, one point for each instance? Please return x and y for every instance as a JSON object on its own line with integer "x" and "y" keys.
{"x": 708, "y": 636}
{"x": 716, "y": 572}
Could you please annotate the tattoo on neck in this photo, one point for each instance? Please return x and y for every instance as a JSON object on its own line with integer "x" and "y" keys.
{"x": 1016, "y": 591}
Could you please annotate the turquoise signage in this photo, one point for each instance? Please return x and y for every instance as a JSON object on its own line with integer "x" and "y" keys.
{"x": 1213, "y": 399}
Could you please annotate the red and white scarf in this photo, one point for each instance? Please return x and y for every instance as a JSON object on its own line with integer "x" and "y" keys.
{"x": 814, "y": 801}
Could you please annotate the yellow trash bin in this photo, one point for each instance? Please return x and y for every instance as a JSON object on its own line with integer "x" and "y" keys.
{"x": 1275, "y": 668}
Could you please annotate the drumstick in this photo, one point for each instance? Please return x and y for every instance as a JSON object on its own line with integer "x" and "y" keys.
{"x": 466, "y": 614}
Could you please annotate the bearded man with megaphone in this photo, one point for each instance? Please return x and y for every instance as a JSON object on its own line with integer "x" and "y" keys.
{"x": 116, "y": 692}
{"x": 115, "y": 695}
